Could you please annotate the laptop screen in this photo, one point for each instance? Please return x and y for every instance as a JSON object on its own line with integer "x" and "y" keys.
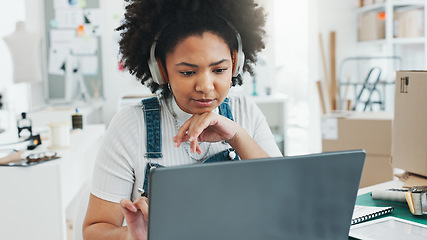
{"x": 301, "y": 197}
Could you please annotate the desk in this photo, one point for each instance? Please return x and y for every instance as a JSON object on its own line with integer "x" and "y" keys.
{"x": 34, "y": 199}
{"x": 401, "y": 209}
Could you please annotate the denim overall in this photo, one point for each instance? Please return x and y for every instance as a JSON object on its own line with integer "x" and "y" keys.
{"x": 151, "y": 108}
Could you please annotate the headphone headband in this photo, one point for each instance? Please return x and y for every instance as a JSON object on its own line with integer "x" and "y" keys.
{"x": 153, "y": 65}
{"x": 156, "y": 69}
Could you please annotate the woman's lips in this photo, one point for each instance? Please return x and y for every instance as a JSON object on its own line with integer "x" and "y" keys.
{"x": 204, "y": 102}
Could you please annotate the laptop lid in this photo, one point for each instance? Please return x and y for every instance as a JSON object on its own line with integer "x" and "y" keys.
{"x": 300, "y": 197}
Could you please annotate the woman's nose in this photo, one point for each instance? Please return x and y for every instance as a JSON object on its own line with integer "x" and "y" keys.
{"x": 205, "y": 83}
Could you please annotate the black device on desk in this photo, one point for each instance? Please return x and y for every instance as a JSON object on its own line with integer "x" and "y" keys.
{"x": 24, "y": 126}
{"x": 301, "y": 197}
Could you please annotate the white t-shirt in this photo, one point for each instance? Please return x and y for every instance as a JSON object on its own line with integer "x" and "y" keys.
{"x": 120, "y": 164}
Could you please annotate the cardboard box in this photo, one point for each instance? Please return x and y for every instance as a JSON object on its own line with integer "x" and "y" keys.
{"x": 409, "y": 146}
{"x": 377, "y": 169}
{"x": 410, "y": 23}
{"x": 371, "y": 26}
{"x": 368, "y": 2}
{"x": 368, "y": 131}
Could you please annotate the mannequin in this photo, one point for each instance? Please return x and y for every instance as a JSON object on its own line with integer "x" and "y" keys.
{"x": 25, "y": 49}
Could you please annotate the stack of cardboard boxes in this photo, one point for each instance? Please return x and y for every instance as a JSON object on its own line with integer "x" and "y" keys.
{"x": 409, "y": 23}
{"x": 369, "y": 131}
{"x": 391, "y": 140}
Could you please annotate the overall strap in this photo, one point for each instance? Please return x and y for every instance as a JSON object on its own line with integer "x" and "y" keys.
{"x": 151, "y": 108}
{"x": 224, "y": 109}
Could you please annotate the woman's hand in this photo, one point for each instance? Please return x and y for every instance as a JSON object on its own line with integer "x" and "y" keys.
{"x": 206, "y": 127}
{"x": 211, "y": 127}
{"x": 136, "y": 215}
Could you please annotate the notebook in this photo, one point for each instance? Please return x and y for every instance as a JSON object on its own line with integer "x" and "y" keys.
{"x": 365, "y": 213}
{"x": 300, "y": 197}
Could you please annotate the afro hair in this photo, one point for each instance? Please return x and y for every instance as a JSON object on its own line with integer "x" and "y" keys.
{"x": 175, "y": 20}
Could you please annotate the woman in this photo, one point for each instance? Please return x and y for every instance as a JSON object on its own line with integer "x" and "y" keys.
{"x": 191, "y": 53}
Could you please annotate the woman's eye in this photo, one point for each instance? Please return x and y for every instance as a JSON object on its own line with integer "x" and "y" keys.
{"x": 187, "y": 73}
{"x": 220, "y": 70}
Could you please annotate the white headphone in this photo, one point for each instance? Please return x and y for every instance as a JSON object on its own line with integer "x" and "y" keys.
{"x": 158, "y": 72}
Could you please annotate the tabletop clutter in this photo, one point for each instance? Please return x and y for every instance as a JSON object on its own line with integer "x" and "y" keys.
{"x": 28, "y": 149}
{"x": 415, "y": 196}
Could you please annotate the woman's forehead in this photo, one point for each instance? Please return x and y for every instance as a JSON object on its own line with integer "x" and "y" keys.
{"x": 207, "y": 44}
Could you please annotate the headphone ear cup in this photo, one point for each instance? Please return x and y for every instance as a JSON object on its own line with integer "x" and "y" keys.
{"x": 155, "y": 71}
{"x": 238, "y": 62}
{"x": 162, "y": 70}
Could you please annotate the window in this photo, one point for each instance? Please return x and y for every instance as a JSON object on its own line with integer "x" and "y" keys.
{"x": 293, "y": 59}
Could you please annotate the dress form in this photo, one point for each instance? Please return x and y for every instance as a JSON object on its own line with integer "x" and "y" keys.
{"x": 25, "y": 49}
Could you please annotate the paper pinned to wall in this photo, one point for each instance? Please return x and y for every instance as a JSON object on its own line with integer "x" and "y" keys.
{"x": 92, "y": 20}
{"x": 84, "y": 46}
{"x": 89, "y": 65}
{"x": 61, "y": 36}
{"x": 69, "y": 18}
{"x": 57, "y": 55}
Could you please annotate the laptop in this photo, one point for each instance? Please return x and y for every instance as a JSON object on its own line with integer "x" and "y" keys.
{"x": 299, "y": 197}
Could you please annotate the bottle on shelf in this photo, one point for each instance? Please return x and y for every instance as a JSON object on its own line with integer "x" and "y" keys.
{"x": 77, "y": 120}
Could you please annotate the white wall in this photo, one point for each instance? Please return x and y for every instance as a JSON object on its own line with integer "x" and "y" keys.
{"x": 330, "y": 15}
{"x": 338, "y": 16}
{"x": 116, "y": 83}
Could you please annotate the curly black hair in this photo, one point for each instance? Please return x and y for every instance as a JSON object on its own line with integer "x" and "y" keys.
{"x": 175, "y": 20}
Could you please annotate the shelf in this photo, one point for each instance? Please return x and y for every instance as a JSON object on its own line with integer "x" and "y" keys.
{"x": 397, "y": 3}
{"x": 418, "y": 40}
{"x": 370, "y": 8}
{"x": 394, "y": 3}
{"x": 373, "y": 42}
{"x": 397, "y": 41}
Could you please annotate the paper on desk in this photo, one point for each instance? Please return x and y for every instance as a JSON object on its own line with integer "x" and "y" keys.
{"x": 361, "y": 211}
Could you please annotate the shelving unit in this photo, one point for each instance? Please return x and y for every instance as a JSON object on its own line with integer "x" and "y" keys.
{"x": 390, "y": 43}
{"x": 404, "y": 53}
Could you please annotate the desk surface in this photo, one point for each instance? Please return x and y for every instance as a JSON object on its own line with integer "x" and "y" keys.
{"x": 401, "y": 209}
{"x": 385, "y": 185}
{"x": 35, "y": 198}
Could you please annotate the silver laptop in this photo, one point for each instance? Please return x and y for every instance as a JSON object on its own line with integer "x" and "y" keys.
{"x": 301, "y": 197}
